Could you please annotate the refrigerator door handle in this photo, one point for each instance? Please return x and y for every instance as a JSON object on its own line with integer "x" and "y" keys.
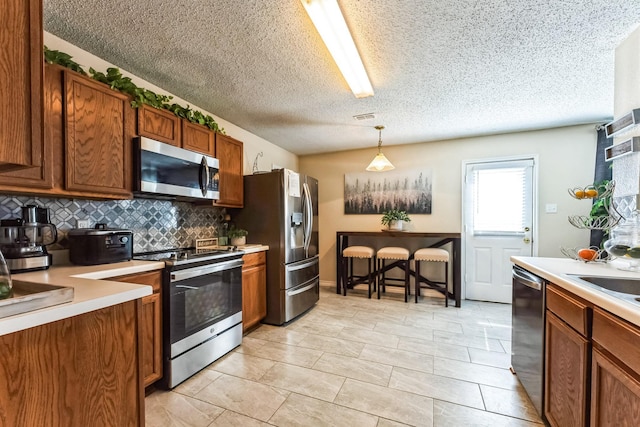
{"x": 308, "y": 221}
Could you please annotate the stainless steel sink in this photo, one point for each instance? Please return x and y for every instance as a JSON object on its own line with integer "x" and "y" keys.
{"x": 616, "y": 284}
{"x": 623, "y": 288}
{"x": 33, "y": 296}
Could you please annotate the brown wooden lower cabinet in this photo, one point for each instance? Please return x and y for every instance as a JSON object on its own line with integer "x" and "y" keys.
{"x": 151, "y": 328}
{"x": 567, "y": 356}
{"x": 615, "y": 386}
{"x": 615, "y": 396}
{"x": 592, "y": 364}
{"x": 80, "y": 371}
{"x": 254, "y": 289}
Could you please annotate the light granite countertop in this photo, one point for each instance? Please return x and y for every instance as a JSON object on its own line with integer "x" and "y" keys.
{"x": 91, "y": 291}
{"x": 561, "y": 271}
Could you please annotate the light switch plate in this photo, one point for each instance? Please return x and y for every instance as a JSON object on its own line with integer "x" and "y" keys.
{"x": 82, "y": 223}
{"x": 551, "y": 208}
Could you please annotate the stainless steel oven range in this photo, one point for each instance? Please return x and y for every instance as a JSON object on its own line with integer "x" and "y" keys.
{"x": 202, "y": 309}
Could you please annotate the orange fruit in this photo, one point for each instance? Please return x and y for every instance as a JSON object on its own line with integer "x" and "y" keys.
{"x": 591, "y": 193}
{"x": 587, "y": 254}
{"x": 579, "y": 194}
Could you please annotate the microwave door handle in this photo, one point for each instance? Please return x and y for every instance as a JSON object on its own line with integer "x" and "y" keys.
{"x": 204, "y": 170}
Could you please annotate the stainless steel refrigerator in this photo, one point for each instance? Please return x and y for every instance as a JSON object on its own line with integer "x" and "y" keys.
{"x": 281, "y": 210}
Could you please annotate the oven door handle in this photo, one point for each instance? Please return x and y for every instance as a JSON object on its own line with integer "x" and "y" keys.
{"x": 305, "y": 289}
{"x": 202, "y": 271}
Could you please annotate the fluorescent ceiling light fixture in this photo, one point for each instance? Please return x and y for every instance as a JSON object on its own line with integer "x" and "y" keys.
{"x": 328, "y": 19}
{"x": 380, "y": 163}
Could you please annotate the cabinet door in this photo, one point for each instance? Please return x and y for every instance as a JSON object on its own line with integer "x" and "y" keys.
{"x": 161, "y": 125}
{"x": 39, "y": 179}
{"x": 97, "y": 141}
{"x": 254, "y": 296}
{"x": 566, "y": 374}
{"x": 197, "y": 138}
{"x": 21, "y": 84}
{"x": 151, "y": 339}
{"x": 79, "y": 371}
{"x": 615, "y": 395}
{"x": 151, "y": 328}
{"x": 230, "y": 153}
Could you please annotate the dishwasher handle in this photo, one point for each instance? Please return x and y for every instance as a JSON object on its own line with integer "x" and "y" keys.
{"x": 528, "y": 279}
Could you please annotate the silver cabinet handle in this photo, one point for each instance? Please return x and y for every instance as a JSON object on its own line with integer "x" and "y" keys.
{"x": 299, "y": 291}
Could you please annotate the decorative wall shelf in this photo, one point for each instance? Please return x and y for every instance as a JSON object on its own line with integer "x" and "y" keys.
{"x": 623, "y": 123}
{"x": 626, "y": 147}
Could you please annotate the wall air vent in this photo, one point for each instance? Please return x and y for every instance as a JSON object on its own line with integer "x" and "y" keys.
{"x": 366, "y": 116}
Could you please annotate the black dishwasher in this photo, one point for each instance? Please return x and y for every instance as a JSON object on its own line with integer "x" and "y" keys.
{"x": 527, "y": 333}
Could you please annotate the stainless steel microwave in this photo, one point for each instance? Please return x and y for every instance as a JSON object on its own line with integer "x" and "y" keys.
{"x": 164, "y": 170}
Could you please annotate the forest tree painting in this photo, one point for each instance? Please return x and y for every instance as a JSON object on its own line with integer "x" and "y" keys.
{"x": 375, "y": 192}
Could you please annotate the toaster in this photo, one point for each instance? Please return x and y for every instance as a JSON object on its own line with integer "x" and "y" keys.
{"x": 100, "y": 245}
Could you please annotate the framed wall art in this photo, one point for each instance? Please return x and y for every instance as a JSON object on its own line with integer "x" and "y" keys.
{"x": 375, "y": 192}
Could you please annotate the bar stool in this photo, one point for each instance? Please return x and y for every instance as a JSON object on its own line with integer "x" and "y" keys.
{"x": 432, "y": 255}
{"x": 362, "y": 252}
{"x": 400, "y": 256}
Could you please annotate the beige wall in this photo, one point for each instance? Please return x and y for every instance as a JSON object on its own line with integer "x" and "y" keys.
{"x": 566, "y": 159}
{"x": 253, "y": 144}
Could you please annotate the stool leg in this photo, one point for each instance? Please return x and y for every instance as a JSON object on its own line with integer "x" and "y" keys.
{"x": 369, "y": 277}
{"x": 380, "y": 262}
{"x": 406, "y": 280}
{"x": 375, "y": 273}
{"x": 345, "y": 275}
{"x": 446, "y": 284}
{"x": 417, "y": 290}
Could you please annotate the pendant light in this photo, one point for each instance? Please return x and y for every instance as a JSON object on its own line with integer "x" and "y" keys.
{"x": 380, "y": 163}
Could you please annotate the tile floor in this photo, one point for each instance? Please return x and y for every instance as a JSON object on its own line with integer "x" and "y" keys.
{"x": 351, "y": 361}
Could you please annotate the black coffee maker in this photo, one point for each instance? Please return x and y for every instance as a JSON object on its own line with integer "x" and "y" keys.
{"x": 23, "y": 240}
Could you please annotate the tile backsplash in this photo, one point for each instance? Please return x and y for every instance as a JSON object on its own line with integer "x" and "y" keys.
{"x": 156, "y": 224}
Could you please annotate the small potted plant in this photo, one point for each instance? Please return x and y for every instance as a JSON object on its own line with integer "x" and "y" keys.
{"x": 394, "y": 219}
{"x": 238, "y": 236}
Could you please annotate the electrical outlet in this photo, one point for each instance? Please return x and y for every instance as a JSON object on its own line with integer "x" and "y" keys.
{"x": 551, "y": 208}
{"x": 82, "y": 223}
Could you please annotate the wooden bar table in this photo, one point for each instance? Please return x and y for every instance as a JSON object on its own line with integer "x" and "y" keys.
{"x": 342, "y": 241}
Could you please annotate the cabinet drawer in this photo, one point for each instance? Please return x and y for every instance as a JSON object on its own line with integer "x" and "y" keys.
{"x": 618, "y": 337}
{"x": 253, "y": 259}
{"x": 569, "y": 308}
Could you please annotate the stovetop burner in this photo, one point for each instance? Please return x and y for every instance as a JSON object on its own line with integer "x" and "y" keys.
{"x": 178, "y": 256}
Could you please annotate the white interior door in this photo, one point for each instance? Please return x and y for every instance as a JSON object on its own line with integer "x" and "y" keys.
{"x": 499, "y": 218}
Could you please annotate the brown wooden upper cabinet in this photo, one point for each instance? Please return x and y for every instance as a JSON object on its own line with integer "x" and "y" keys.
{"x": 21, "y": 84}
{"x": 198, "y": 138}
{"x": 229, "y": 152}
{"x": 98, "y": 144}
{"x": 164, "y": 126}
{"x": 95, "y": 151}
{"x": 160, "y": 125}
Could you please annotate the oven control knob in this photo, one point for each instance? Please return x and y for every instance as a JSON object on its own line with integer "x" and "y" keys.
{"x": 124, "y": 239}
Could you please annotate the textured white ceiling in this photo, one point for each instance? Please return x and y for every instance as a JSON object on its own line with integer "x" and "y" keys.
{"x": 440, "y": 69}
